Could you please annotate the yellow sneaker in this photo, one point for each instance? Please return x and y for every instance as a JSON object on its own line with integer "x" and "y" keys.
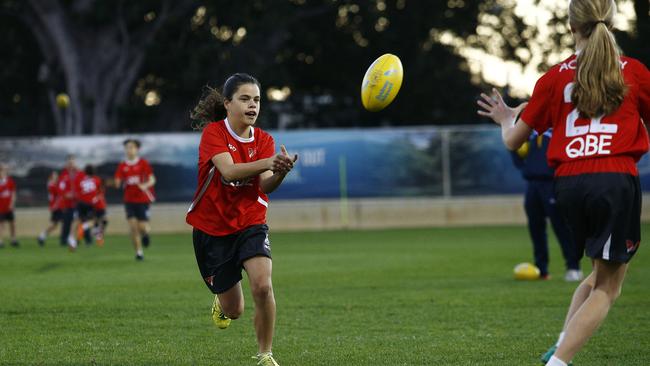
{"x": 265, "y": 359}
{"x": 218, "y": 317}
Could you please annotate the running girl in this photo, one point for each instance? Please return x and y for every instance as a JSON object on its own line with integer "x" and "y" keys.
{"x": 7, "y": 205}
{"x": 238, "y": 167}
{"x": 596, "y": 101}
{"x": 136, "y": 175}
{"x": 54, "y": 203}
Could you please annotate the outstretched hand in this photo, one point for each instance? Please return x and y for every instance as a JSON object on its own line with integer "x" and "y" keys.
{"x": 282, "y": 163}
{"x": 495, "y": 108}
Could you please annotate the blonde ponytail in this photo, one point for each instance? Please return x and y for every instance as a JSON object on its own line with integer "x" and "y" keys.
{"x": 599, "y": 85}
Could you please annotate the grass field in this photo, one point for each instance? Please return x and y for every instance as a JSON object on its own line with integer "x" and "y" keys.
{"x": 392, "y": 297}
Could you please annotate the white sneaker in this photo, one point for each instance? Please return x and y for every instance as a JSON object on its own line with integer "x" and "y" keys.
{"x": 573, "y": 275}
{"x": 72, "y": 243}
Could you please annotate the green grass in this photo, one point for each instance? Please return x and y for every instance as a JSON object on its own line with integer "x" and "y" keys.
{"x": 390, "y": 297}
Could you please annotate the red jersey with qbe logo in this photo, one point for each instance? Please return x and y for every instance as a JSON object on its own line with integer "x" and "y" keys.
{"x": 132, "y": 173}
{"x": 66, "y": 188}
{"x": 86, "y": 188}
{"x": 221, "y": 207}
{"x": 53, "y": 196}
{"x": 7, "y": 190}
{"x": 611, "y": 143}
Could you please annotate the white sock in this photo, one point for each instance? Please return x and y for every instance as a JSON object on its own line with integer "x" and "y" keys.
{"x": 140, "y": 252}
{"x": 43, "y": 235}
{"x": 559, "y": 339}
{"x": 554, "y": 361}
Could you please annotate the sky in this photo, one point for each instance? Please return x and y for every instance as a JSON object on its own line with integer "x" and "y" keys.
{"x": 521, "y": 80}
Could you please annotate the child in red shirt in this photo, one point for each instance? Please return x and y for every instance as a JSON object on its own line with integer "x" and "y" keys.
{"x": 136, "y": 176}
{"x": 7, "y": 204}
{"x": 238, "y": 167}
{"x": 596, "y": 101}
{"x": 54, "y": 203}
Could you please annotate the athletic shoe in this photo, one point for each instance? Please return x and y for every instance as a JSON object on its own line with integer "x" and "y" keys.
{"x": 72, "y": 243}
{"x": 139, "y": 257}
{"x": 573, "y": 275}
{"x": 218, "y": 317}
{"x": 41, "y": 240}
{"x": 265, "y": 359}
{"x": 99, "y": 239}
{"x": 547, "y": 356}
{"x": 15, "y": 244}
{"x": 145, "y": 240}
{"x": 545, "y": 277}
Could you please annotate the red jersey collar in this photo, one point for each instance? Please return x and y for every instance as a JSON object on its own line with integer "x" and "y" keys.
{"x": 236, "y": 137}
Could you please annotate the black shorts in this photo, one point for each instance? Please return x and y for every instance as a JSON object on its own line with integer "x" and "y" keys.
{"x": 7, "y": 216}
{"x": 99, "y": 213}
{"x": 56, "y": 216}
{"x": 221, "y": 258}
{"x": 139, "y": 211}
{"x": 84, "y": 211}
{"x": 603, "y": 211}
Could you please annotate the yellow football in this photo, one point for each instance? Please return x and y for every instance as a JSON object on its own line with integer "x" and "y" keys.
{"x": 526, "y": 271}
{"x": 381, "y": 82}
{"x": 62, "y": 100}
{"x": 522, "y": 151}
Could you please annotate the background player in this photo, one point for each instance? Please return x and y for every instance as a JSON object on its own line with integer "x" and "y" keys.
{"x": 238, "y": 167}
{"x": 86, "y": 186}
{"x": 99, "y": 209}
{"x": 68, "y": 200}
{"x": 54, "y": 203}
{"x": 596, "y": 102}
{"x": 136, "y": 175}
{"x": 7, "y": 205}
{"x": 539, "y": 204}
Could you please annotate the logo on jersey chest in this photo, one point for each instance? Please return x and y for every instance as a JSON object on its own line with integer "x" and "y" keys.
{"x": 588, "y": 140}
{"x": 232, "y": 148}
{"x": 237, "y": 183}
{"x": 251, "y": 152}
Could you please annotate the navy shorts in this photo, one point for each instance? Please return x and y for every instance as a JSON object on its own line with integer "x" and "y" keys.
{"x": 221, "y": 258}
{"x": 56, "y": 216}
{"x": 603, "y": 211}
{"x": 7, "y": 216}
{"x": 84, "y": 211}
{"x": 140, "y": 211}
{"x": 99, "y": 213}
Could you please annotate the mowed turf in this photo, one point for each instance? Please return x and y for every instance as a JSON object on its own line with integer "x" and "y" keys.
{"x": 386, "y": 297}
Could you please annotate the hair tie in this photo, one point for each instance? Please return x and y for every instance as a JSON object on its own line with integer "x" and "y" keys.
{"x": 601, "y": 21}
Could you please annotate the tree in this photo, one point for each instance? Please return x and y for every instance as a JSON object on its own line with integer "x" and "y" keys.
{"x": 97, "y": 48}
{"x": 140, "y": 66}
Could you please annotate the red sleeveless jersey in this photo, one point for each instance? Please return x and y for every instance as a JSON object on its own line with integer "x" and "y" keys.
{"x": 611, "y": 143}
{"x": 221, "y": 207}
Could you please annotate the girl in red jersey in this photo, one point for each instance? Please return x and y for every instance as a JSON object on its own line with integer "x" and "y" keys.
{"x": 597, "y": 102}
{"x": 68, "y": 201}
{"x": 238, "y": 167}
{"x": 136, "y": 175}
{"x": 54, "y": 202}
{"x": 86, "y": 186}
{"x": 99, "y": 209}
{"x": 7, "y": 204}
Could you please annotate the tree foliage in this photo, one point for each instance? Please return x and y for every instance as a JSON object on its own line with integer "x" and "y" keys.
{"x": 140, "y": 66}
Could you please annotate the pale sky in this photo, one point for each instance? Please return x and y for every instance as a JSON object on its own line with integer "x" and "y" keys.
{"x": 522, "y": 79}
